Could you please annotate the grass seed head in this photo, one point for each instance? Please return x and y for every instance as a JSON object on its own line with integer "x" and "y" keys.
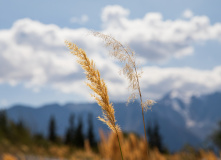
{"x": 97, "y": 85}
{"x": 130, "y": 69}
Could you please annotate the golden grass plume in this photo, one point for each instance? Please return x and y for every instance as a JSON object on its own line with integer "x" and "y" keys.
{"x": 97, "y": 85}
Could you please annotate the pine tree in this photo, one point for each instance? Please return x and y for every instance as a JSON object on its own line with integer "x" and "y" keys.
{"x": 3, "y": 124}
{"x": 150, "y": 135}
{"x": 90, "y": 133}
{"x": 23, "y": 134}
{"x": 52, "y": 130}
{"x": 79, "y": 137}
{"x": 70, "y": 133}
{"x": 216, "y": 136}
{"x": 155, "y": 139}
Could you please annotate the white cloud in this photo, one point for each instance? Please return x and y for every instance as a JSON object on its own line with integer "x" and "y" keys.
{"x": 155, "y": 82}
{"x": 185, "y": 82}
{"x": 114, "y": 15}
{"x": 157, "y": 39}
{"x": 33, "y": 54}
{"x": 82, "y": 20}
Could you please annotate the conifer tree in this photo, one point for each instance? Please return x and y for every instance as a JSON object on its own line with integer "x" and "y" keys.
{"x": 216, "y": 136}
{"x": 155, "y": 139}
{"x": 90, "y": 133}
{"x": 150, "y": 135}
{"x": 22, "y": 133}
{"x": 52, "y": 130}
{"x": 3, "y": 124}
{"x": 79, "y": 137}
{"x": 70, "y": 133}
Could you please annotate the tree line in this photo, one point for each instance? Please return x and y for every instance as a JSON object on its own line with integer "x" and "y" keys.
{"x": 74, "y": 135}
{"x": 18, "y": 133}
{"x": 155, "y": 139}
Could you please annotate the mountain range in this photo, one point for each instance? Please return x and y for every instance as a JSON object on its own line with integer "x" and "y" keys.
{"x": 179, "y": 123}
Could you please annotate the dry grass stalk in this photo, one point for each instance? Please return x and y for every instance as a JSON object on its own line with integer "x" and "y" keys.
{"x": 127, "y": 56}
{"x": 134, "y": 147}
{"x": 109, "y": 148}
{"x": 87, "y": 146}
{"x": 98, "y": 86}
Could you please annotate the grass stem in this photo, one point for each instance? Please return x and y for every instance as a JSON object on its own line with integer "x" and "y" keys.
{"x": 119, "y": 145}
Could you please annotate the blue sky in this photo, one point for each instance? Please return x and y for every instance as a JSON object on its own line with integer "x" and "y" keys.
{"x": 178, "y": 44}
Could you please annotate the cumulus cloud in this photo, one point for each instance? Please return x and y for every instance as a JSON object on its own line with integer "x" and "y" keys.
{"x": 182, "y": 82}
{"x": 155, "y": 38}
{"x": 33, "y": 54}
{"x": 114, "y": 16}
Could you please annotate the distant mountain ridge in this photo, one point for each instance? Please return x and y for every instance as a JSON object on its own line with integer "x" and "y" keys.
{"x": 179, "y": 123}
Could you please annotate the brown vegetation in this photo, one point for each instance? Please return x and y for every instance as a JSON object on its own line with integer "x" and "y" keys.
{"x": 134, "y": 148}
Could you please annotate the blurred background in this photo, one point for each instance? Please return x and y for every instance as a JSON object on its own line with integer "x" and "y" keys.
{"x": 43, "y": 96}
